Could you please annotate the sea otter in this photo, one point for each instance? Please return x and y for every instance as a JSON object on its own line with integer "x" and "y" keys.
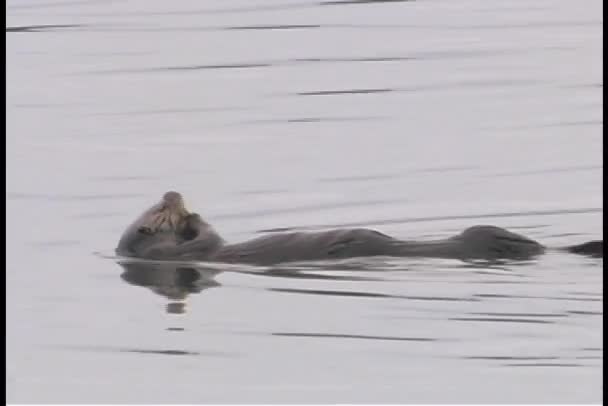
{"x": 167, "y": 231}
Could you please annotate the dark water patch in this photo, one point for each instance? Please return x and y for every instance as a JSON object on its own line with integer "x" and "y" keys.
{"x": 346, "y": 91}
{"x": 357, "y": 59}
{"x": 505, "y": 296}
{"x": 332, "y": 293}
{"x": 161, "y": 352}
{"x": 274, "y": 27}
{"x": 41, "y": 28}
{"x": 543, "y": 364}
{"x": 509, "y": 358}
{"x": 354, "y": 336}
{"x": 331, "y": 119}
{"x": 420, "y": 56}
{"x": 506, "y": 314}
{"x": 218, "y": 66}
{"x": 468, "y": 84}
{"x": 342, "y": 293}
{"x": 419, "y": 88}
{"x": 184, "y": 28}
{"x": 171, "y": 352}
{"x": 501, "y": 320}
{"x": 180, "y": 68}
{"x": 423, "y": 55}
{"x": 530, "y": 213}
{"x": 585, "y": 312}
{"x": 345, "y": 2}
{"x": 490, "y": 282}
{"x": 277, "y": 230}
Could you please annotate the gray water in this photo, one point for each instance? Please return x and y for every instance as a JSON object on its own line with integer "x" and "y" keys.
{"x": 416, "y": 118}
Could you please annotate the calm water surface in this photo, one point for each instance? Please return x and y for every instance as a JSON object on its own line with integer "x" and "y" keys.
{"x": 417, "y": 118}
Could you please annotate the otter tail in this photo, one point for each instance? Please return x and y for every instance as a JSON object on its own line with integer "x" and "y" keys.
{"x": 591, "y": 248}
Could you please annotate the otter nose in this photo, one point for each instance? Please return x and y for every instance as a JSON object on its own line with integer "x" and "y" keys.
{"x": 172, "y": 199}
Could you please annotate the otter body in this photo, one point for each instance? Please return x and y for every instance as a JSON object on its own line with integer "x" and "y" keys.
{"x": 167, "y": 231}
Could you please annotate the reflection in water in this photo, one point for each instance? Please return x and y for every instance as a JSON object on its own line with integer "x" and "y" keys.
{"x": 174, "y": 281}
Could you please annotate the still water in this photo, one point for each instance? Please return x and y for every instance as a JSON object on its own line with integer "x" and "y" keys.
{"x": 416, "y": 118}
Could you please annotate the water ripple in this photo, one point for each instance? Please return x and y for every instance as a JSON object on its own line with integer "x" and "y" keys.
{"x": 353, "y": 336}
{"x": 501, "y": 320}
{"x": 371, "y": 295}
{"x": 41, "y": 28}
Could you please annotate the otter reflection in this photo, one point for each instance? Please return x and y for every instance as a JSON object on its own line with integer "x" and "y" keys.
{"x": 175, "y": 281}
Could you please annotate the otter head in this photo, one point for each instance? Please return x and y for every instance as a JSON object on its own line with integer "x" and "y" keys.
{"x": 168, "y": 214}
